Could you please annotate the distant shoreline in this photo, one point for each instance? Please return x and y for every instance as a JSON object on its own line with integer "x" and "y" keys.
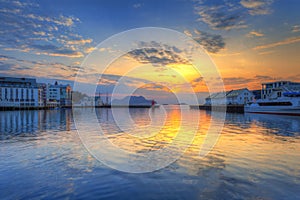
{"x": 74, "y": 107}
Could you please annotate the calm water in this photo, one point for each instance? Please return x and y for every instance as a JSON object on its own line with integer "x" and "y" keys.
{"x": 256, "y": 157}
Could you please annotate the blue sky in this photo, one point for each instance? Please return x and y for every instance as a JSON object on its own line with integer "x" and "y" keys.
{"x": 247, "y": 39}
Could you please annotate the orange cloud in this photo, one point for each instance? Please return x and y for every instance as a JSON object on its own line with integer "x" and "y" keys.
{"x": 255, "y": 33}
{"x": 286, "y": 41}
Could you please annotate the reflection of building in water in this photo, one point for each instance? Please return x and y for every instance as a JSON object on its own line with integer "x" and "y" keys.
{"x": 34, "y": 121}
{"x": 55, "y": 120}
{"x": 18, "y": 122}
{"x": 277, "y": 124}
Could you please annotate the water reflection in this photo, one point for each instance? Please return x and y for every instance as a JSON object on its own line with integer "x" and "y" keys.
{"x": 276, "y": 124}
{"x": 14, "y": 123}
{"x": 256, "y": 157}
{"x": 273, "y": 124}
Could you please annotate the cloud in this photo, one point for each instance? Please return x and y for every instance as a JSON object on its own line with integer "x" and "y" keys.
{"x": 53, "y": 50}
{"x": 155, "y": 87}
{"x": 266, "y": 52}
{"x": 295, "y": 28}
{"x": 3, "y": 58}
{"x": 295, "y": 77}
{"x": 137, "y": 5}
{"x": 6, "y": 66}
{"x": 195, "y": 82}
{"x": 263, "y": 77}
{"x": 61, "y": 20}
{"x": 257, "y": 7}
{"x": 236, "y": 80}
{"x": 286, "y": 41}
{"x": 79, "y": 42}
{"x": 255, "y": 34}
{"x": 188, "y": 33}
{"x": 14, "y": 67}
{"x": 26, "y": 27}
{"x": 157, "y": 54}
{"x": 89, "y": 49}
{"x": 227, "y": 54}
{"x": 227, "y": 14}
{"x": 211, "y": 42}
{"x": 221, "y": 17}
{"x": 255, "y": 81}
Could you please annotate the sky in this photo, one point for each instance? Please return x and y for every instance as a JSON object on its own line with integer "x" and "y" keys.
{"x": 249, "y": 41}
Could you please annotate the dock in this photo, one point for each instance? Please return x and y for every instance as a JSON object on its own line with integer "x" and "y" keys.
{"x": 228, "y": 108}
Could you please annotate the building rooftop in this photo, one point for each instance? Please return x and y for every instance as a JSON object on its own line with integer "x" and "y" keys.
{"x": 235, "y": 93}
{"x": 231, "y": 93}
{"x": 282, "y": 81}
{"x": 21, "y": 82}
{"x": 217, "y": 95}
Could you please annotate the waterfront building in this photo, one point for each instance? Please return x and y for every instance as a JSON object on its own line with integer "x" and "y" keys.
{"x": 232, "y": 97}
{"x": 27, "y": 93}
{"x": 59, "y": 95}
{"x": 87, "y": 102}
{"x": 218, "y": 98}
{"x": 280, "y": 97}
{"x": 42, "y": 94}
{"x": 239, "y": 97}
{"x": 19, "y": 92}
{"x": 274, "y": 90}
{"x": 257, "y": 94}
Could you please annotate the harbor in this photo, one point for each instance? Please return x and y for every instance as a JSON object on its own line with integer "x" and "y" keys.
{"x": 149, "y": 100}
{"x": 280, "y": 98}
{"x": 27, "y": 94}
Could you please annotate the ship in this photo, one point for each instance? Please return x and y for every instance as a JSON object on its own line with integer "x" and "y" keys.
{"x": 280, "y": 97}
{"x": 130, "y": 102}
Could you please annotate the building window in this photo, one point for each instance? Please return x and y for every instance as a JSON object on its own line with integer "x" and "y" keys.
{"x": 11, "y": 94}
{"x": 27, "y": 94}
{"x": 17, "y": 94}
{"x": 5, "y": 93}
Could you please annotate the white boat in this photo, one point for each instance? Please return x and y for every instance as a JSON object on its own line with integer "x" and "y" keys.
{"x": 284, "y": 106}
{"x": 277, "y": 98}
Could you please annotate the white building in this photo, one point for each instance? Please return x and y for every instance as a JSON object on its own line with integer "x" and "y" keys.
{"x": 86, "y": 102}
{"x": 274, "y": 90}
{"x": 59, "y": 95}
{"x": 26, "y": 93}
{"x": 233, "y": 97}
{"x": 19, "y": 92}
{"x": 218, "y": 98}
{"x": 239, "y": 97}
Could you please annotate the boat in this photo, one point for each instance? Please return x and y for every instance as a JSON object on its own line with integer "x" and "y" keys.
{"x": 283, "y": 106}
{"x": 282, "y": 98}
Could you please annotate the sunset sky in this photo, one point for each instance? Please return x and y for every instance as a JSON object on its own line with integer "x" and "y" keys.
{"x": 250, "y": 41}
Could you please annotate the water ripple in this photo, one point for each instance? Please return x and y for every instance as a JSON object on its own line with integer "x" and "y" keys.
{"x": 256, "y": 157}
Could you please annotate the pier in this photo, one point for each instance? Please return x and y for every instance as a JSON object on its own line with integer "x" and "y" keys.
{"x": 227, "y": 108}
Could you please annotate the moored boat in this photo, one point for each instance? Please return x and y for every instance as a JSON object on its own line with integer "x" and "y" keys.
{"x": 284, "y": 106}
{"x": 282, "y": 97}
